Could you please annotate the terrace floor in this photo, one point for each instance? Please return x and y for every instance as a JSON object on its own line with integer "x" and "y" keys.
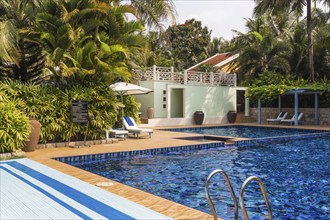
{"x": 159, "y": 139}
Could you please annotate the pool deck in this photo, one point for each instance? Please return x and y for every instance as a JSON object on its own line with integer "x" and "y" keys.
{"x": 160, "y": 139}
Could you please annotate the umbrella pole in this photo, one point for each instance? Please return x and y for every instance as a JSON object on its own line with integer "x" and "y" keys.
{"x": 122, "y": 111}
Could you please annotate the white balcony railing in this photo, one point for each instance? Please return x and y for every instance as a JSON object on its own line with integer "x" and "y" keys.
{"x": 186, "y": 77}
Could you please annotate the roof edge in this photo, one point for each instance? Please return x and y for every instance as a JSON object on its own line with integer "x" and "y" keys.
{"x": 204, "y": 61}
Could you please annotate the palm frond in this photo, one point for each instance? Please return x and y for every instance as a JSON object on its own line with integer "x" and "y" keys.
{"x": 8, "y": 41}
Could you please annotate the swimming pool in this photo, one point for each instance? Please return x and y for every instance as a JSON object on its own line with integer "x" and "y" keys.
{"x": 243, "y": 131}
{"x": 296, "y": 175}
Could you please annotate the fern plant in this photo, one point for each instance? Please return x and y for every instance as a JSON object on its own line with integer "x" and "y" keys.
{"x": 14, "y": 127}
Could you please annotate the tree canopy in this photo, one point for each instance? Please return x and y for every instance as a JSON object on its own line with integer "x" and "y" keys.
{"x": 188, "y": 43}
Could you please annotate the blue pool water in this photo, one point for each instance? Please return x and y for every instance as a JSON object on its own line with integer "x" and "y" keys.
{"x": 245, "y": 131}
{"x": 296, "y": 175}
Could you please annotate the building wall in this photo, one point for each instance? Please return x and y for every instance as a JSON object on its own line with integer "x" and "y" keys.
{"x": 153, "y": 99}
{"x": 177, "y": 103}
{"x": 214, "y": 101}
{"x": 307, "y": 119}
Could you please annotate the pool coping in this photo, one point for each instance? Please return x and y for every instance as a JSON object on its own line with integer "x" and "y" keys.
{"x": 160, "y": 139}
{"x": 60, "y": 196}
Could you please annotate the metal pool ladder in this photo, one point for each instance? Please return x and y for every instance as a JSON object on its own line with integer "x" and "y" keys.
{"x": 241, "y": 195}
{"x": 230, "y": 189}
{"x": 264, "y": 194}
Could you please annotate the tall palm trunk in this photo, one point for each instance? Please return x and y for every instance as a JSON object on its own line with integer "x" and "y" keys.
{"x": 309, "y": 41}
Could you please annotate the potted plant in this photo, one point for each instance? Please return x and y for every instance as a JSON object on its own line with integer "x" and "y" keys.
{"x": 199, "y": 117}
{"x": 231, "y": 116}
{"x": 34, "y": 136}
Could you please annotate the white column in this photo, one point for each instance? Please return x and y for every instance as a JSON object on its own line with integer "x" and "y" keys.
{"x": 235, "y": 79}
{"x": 247, "y": 107}
{"x": 295, "y": 108}
{"x": 154, "y": 70}
{"x": 172, "y": 73}
{"x": 211, "y": 78}
{"x": 168, "y": 102}
{"x": 185, "y": 77}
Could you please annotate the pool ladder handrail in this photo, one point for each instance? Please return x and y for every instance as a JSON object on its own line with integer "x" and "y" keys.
{"x": 207, "y": 182}
{"x": 241, "y": 195}
{"x": 264, "y": 194}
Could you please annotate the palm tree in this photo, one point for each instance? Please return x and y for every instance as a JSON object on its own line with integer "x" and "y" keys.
{"x": 89, "y": 37}
{"x": 218, "y": 45}
{"x": 153, "y": 12}
{"x": 20, "y": 55}
{"x": 261, "y": 50}
{"x": 276, "y": 7}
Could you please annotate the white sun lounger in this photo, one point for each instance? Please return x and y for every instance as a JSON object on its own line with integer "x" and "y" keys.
{"x": 116, "y": 133}
{"x": 281, "y": 116}
{"x": 292, "y": 120}
{"x": 132, "y": 127}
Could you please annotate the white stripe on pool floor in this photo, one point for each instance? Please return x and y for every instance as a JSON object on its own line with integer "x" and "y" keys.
{"x": 45, "y": 193}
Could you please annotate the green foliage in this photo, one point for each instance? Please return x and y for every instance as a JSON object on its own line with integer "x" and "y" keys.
{"x": 276, "y": 40}
{"x": 189, "y": 43}
{"x": 131, "y": 107}
{"x": 102, "y": 104}
{"x": 14, "y": 127}
{"x": 158, "y": 53}
{"x": 51, "y": 105}
{"x": 206, "y": 68}
{"x": 21, "y": 58}
{"x": 269, "y": 85}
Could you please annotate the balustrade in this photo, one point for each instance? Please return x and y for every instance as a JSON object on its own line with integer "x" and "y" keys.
{"x": 186, "y": 77}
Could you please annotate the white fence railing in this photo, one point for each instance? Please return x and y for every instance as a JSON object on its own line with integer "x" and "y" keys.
{"x": 186, "y": 77}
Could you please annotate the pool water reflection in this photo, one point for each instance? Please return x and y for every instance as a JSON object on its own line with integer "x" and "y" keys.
{"x": 296, "y": 175}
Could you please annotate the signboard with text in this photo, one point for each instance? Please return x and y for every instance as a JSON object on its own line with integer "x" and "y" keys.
{"x": 79, "y": 111}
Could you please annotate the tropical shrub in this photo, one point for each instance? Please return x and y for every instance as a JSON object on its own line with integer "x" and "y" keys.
{"x": 51, "y": 105}
{"x": 103, "y": 108}
{"x": 14, "y": 127}
{"x": 131, "y": 107}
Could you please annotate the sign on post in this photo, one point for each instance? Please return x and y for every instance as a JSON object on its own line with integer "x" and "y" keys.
{"x": 79, "y": 111}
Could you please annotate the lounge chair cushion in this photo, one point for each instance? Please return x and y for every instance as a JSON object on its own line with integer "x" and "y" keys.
{"x": 129, "y": 121}
{"x": 281, "y": 115}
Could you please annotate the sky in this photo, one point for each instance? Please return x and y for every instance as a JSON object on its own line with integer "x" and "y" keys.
{"x": 220, "y": 16}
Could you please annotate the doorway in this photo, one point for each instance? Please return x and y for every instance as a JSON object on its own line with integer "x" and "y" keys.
{"x": 240, "y": 100}
{"x": 177, "y": 103}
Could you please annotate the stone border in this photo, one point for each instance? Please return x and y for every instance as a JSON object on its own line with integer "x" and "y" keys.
{"x": 12, "y": 155}
{"x": 77, "y": 143}
{"x": 307, "y": 119}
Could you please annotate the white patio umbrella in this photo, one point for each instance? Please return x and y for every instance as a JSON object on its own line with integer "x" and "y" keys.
{"x": 124, "y": 88}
